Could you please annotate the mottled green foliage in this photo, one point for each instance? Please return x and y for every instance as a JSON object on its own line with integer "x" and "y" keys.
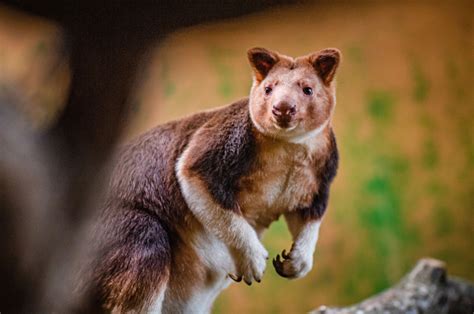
{"x": 383, "y": 192}
{"x": 421, "y": 84}
{"x": 430, "y": 154}
{"x": 380, "y": 104}
{"x": 382, "y": 202}
{"x": 453, "y": 77}
{"x": 381, "y": 209}
{"x": 443, "y": 220}
{"x": 461, "y": 97}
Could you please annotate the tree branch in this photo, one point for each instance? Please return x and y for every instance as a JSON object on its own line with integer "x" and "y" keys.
{"x": 426, "y": 289}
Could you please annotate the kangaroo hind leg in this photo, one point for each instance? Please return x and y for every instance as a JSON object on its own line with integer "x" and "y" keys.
{"x": 132, "y": 272}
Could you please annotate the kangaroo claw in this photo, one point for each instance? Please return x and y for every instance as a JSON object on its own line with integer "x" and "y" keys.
{"x": 285, "y": 255}
{"x": 235, "y": 278}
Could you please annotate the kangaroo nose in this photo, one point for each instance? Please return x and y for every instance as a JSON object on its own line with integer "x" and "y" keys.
{"x": 284, "y": 109}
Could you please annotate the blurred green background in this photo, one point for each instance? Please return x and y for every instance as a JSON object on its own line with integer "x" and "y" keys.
{"x": 404, "y": 124}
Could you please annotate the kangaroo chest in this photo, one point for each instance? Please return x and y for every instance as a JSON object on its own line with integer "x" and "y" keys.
{"x": 283, "y": 179}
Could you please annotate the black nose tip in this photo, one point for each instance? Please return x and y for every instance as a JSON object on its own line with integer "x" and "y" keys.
{"x": 284, "y": 109}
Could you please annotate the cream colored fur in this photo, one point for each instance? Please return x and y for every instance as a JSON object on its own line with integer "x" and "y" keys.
{"x": 305, "y": 237}
{"x": 233, "y": 230}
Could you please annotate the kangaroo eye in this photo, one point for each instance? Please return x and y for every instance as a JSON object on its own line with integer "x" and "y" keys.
{"x": 308, "y": 91}
{"x": 268, "y": 90}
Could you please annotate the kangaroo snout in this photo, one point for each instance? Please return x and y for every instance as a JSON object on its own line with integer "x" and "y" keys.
{"x": 283, "y": 113}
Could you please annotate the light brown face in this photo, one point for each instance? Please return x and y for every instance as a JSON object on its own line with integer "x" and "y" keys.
{"x": 292, "y": 97}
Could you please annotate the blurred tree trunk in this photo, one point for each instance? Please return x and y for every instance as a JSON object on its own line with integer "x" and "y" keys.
{"x": 105, "y": 42}
{"x": 426, "y": 289}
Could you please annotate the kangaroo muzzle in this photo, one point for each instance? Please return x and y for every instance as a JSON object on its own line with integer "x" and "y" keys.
{"x": 283, "y": 112}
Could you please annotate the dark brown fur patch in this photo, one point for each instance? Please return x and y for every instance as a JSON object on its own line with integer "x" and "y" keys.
{"x": 325, "y": 176}
{"x": 228, "y": 153}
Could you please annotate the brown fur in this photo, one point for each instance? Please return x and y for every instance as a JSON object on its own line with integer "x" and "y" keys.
{"x": 241, "y": 161}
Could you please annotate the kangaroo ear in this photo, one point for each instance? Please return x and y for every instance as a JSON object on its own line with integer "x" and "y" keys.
{"x": 325, "y": 63}
{"x": 262, "y": 61}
